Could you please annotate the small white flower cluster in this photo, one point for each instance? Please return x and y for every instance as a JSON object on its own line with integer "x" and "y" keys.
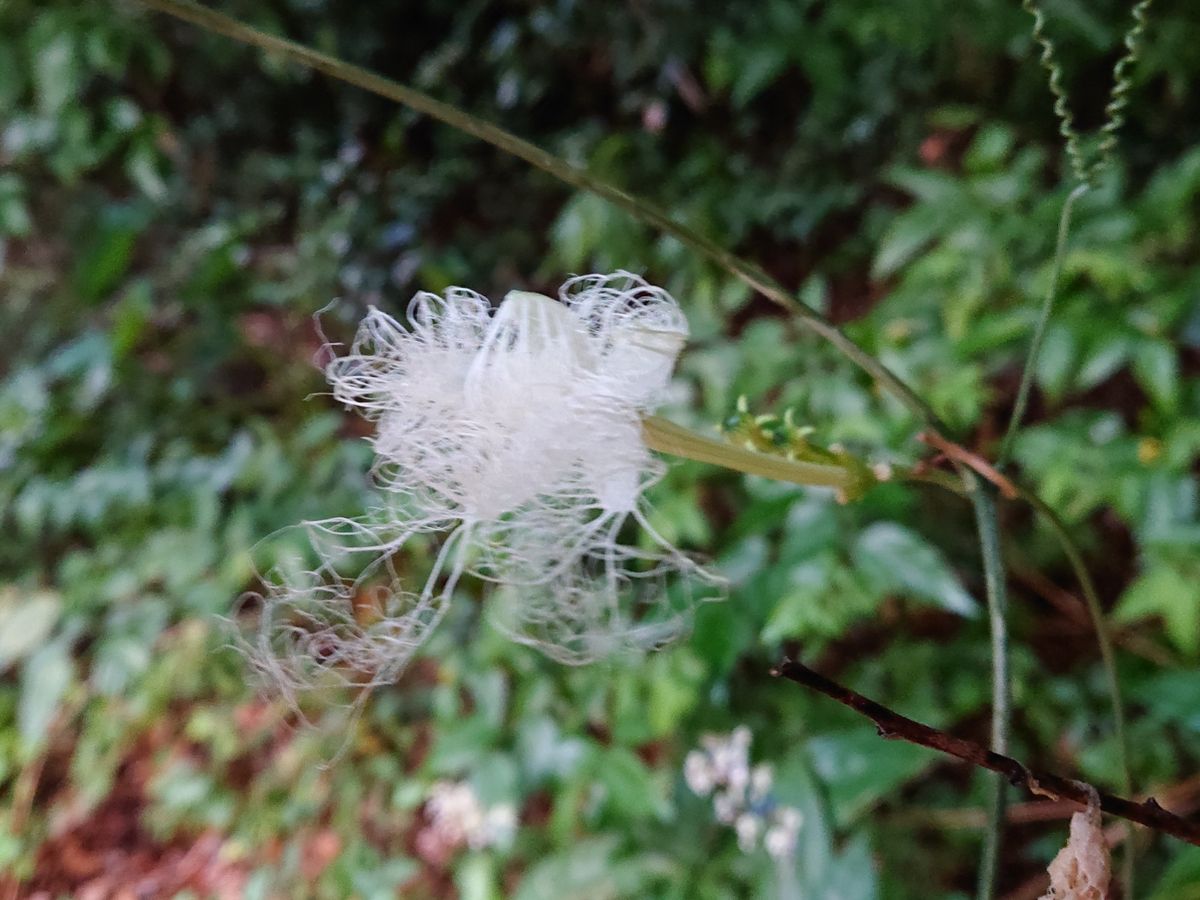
{"x": 742, "y": 795}
{"x": 458, "y": 819}
{"x": 515, "y": 435}
{"x": 455, "y": 812}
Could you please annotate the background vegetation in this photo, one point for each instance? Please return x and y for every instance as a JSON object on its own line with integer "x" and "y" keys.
{"x": 174, "y": 208}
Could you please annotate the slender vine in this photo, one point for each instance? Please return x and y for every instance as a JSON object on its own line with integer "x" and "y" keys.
{"x": 986, "y": 522}
{"x": 1062, "y": 105}
{"x": 1122, "y": 83}
{"x": 1086, "y": 172}
{"x": 1039, "y": 328}
{"x": 1085, "y": 169}
{"x": 1088, "y": 167}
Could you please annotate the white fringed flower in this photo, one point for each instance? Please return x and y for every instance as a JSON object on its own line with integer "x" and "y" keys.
{"x": 516, "y": 435}
{"x": 335, "y": 610}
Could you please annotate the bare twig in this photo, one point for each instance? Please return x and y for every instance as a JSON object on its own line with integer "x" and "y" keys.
{"x": 973, "y": 461}
{"x": 1181, "y": 796}
{"x": 893, "y": 726}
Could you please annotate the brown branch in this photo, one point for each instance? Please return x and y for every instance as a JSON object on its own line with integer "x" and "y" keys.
{"x": 894, "y": 726}
{"x": 973, "y": 461}
{"x": 1182, "y": 796}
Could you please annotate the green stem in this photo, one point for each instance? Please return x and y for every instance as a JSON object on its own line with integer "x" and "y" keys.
{"x": 1095, "y": 612}
{"x": 667, "y": 437}
{"x": 1088, "y": 168}
{"x": 576, "y": 177}
{"x": 1114, "y": 112}
{"x": 1039, "y": 330}
{"x": 1108, "y": 658}
{"x": 1087, "y": 174}
{"x": 986, "y": 522}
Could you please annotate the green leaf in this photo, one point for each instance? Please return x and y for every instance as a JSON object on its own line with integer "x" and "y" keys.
{"x": 13, "y": 75}
{"x": 1056, "y": 362}
{"x": 720, "y": 634}
{"x": 461, "y": 744}
{"x": 852, "y": 872}
{"x": 371, "y": 878}
{"x": 1108, "y": 354}
{"x": 25, "y": 622}
{"x": 591, "y": 870}
{"x": 906, "y": 237}
{"x": 933, "y": 188}
{"x": 803, "y": 610}
{"x": 545, "y": 752}
{"x": 102, "y": 265}
{"x": 14, "y": 214}
{"x": 991, "y": 147}
{"x": 1165, "y": 591}
{"x": 893, "y": 558}
{"x": 757, "y": 70}
{"x": 1171, "y": 699}
{"x": 631, "y": 789}
{"x": 56, "y": 69}
{"x": 44, "y": 682}
{"x": 142, "y": 166}
{"x": 495, "y": 779}
{"x": 1156, "y": 367}
{"x": 476, "y": 878}
{"x": 582, "y": 871}
{"x": 1181, "y": 880}
{"x": 858, "y": 769}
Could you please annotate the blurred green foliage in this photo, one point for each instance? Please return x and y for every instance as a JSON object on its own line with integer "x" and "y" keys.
{"x": 174, "y": 209}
